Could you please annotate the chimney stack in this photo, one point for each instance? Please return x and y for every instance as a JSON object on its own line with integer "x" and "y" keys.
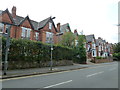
{"x": 75, "y": 31}
{"x": 58, "y": 27}
{"x": 14, "y": 12}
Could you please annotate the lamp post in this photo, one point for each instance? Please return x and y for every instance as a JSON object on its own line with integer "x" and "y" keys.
{"x": 51, "y": 54}
{"x": 6, "y": 52}
{"x": 51, "y": 37}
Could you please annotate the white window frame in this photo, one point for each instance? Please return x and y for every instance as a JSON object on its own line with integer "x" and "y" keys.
{"x": 25, "y": 32}
{"x": 36, "y": 35}
{"x": 50, "y": 25}
{"x": 1, "y": 27}
{"x": 49, "y": 36}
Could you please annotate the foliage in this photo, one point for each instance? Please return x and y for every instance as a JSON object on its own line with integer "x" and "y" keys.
{"x": 116, "y": 56}
{"x": 68, "y": 39}
{"x": 80, "y": 51}
{"x": 26, "y": 50}
{"x": 98, "y": 57}
{"x": 116, "y": 49}
{"x": 81, "y": 40}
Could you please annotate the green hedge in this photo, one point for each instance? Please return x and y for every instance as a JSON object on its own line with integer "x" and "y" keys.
{"x": 24, "y": 50}
{"x": 116, "y": 56}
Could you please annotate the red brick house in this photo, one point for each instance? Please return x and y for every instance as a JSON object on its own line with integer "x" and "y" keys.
{"x": 26, "y": 28}
{"x": 76, "y": 37}
{"x": 62, "y": 29}
{"x": 47, "y": 30}
{"x": 91, "y": 46}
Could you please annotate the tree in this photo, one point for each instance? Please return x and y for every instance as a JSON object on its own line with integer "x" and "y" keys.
{"x": 68, "y": 39}
{"x": 116, "y": 50}
{"x": 80, "y": 50}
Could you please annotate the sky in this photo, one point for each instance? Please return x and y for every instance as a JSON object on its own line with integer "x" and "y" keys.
{"x": 98, "y": 17}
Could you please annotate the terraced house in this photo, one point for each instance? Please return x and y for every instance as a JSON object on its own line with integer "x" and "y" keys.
{"x": 24, "y": 27}
{"x": 91, "y": 46}
{"x": 104, "y": 49}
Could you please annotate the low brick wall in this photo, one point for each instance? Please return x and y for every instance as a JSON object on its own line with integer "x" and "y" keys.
{"x": 103, "y": 60}
{"x": 30, "y": 64}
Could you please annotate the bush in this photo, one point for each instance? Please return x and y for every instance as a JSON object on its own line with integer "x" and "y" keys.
{"x": 27, "y": 50}
{"x": 98, "y": 57}
{"x": 116, "y": 56}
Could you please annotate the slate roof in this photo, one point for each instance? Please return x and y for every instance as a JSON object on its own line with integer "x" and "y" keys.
{"x": 43, "y": 22}
{"x": 35, "y": 24}
{"x": 18, "y": 20}
{"x": 64, "y": 27}
{"x": 89, "y": 38}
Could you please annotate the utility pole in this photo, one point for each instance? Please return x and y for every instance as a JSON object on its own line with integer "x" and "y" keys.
{"x": 6, "y": 51}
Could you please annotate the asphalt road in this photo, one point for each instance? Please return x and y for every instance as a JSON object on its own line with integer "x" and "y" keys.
{"x": 101, "y": 76}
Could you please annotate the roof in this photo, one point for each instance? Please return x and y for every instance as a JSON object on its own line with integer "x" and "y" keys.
{"x": 64, "y": 27}
{"x": 7, "y": 11}
{"x": 89, "y": 38}
{"x": 18, "y": 19}
{"x": 36, "y": 25}
{"x": 43, "y": 22}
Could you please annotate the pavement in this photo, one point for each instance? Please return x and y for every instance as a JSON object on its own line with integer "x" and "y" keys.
{"x": 96, "y": 76}
{"x": 36, "y": 71}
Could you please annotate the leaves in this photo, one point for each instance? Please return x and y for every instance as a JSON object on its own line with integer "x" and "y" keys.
{"x": 68, "y": 39}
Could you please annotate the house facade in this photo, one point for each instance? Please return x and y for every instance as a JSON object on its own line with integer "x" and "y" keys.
{"x": 26, "y": 28}
{"x": 62, "y": 29}
{"x": 91, "y": 46}
{"x": 104, "y": 49}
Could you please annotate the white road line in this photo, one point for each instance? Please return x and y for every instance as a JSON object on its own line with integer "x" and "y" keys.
{"x": 58, "y": 84}
{"x": 112, "y": 69}
{"x": 94, "y": 74}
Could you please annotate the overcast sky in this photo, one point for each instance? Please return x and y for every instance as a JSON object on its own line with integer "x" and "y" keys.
{"x": 98, "y": 17}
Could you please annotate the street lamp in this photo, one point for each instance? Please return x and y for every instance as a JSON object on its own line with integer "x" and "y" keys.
{"x": 51, "y": 37}
{"x": 6, "y": 51}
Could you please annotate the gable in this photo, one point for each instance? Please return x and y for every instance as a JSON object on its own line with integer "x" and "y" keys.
{"x": 6, "y": 18}
{"x": 46, "y": 27}
{"x": 26, "y": 24}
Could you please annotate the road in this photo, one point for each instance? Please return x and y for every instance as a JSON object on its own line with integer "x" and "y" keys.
{"x": 101, "y": 76}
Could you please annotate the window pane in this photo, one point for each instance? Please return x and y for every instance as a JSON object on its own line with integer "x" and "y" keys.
{"x": 7, "y": 28}
{"x": 37, "y": 35}
{"x": 1, "y": 27}
{"x": 50, "y": 25}
{"x": 23, "y": 32}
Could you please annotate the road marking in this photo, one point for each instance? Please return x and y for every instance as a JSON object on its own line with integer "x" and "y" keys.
{"x": 112, "y": 69}
{"x": 94, "y": 74}
{"x": 52, "y": 73}
{"x": 58, "y": 84}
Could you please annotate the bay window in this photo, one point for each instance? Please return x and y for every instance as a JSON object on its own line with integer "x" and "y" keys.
{"x": 25, "y": 32}
{"x": 36, "y": 35}
{"x": 49, "y": 37}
